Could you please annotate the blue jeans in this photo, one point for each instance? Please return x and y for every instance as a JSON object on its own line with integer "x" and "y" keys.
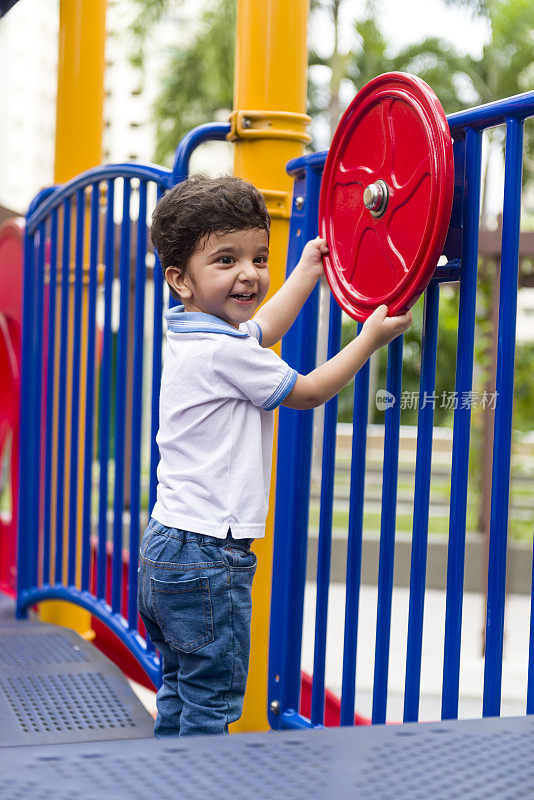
{"x": 195, "y": 601}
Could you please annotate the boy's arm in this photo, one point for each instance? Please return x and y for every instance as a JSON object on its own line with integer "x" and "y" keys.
{"x": 277, "y": 315}
{"x": 317, "y": 387}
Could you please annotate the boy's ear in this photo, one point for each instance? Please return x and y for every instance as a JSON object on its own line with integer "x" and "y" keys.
{"x": 177, "y": 279}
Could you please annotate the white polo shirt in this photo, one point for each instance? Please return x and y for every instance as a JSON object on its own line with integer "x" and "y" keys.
{"x": 219, "y": 389}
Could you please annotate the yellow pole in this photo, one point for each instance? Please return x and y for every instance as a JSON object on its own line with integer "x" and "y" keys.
{"x": 78, "y": 146}
{"x": 80, "y": 87}
{"x": 268, "y": 128}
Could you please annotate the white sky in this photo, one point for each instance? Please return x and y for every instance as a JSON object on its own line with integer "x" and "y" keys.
{"x": 412, "y": 20}
{"x": 408, "y": 21}
{"x": 402, "y": 22}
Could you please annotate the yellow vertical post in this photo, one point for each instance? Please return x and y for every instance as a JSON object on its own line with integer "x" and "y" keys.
{"x": 80, "y": 87}
{"x": 78, "y": 146}
{"x": 268, "y": 128}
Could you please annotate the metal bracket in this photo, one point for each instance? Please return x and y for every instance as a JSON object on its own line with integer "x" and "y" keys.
{"x": 278, "y": 203}
{"x": 269, "y": 125}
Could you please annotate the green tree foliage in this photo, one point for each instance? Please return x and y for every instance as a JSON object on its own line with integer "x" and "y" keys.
{"x": 199, "y": 83}
{"x": 148, "y": 13}
{"x": 523, "y": 386}
{"x": 506, "y": 66}
{"x": 432, "y": 59}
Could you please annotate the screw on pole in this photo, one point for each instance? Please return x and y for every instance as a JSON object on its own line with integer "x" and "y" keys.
{"x": 275, "y": 706}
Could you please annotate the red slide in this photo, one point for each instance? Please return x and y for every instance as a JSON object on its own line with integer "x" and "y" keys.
{"x": 332, "y": 704}
{"x": 11, "y": 269}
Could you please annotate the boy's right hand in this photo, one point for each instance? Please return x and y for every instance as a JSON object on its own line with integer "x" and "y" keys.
{"x": 326, "y": 380}
{"x": 381, "y": 329}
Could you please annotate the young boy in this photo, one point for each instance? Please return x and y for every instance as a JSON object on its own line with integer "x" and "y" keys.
{"x": 220, "y": 385}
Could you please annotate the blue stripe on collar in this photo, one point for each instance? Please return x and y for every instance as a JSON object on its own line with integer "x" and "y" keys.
{"x": 181, "y": 321}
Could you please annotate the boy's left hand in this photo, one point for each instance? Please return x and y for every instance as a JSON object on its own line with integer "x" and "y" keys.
{"x": 311, "y": 260}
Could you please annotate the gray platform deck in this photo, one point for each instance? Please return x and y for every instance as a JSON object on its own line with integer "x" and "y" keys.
{"x": 480, "y": 759}
{"x": 57, "y": 688}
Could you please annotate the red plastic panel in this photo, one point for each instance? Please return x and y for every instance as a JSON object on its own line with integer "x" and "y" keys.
{"x": 395, "y": 132}
{"x": 11, "y": 274}
{"x": 11, "y": 268}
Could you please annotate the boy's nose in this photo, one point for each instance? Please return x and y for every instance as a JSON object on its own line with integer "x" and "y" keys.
{"x": 248, "y": 272}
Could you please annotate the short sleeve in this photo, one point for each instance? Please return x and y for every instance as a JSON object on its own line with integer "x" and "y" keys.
{"x": 252, "y": 328}
{"x": 242, "y": 368}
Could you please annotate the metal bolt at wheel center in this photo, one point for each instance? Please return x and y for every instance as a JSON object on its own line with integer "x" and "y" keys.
{"x": 375, "y": 197}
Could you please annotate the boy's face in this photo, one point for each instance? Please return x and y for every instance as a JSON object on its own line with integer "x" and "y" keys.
{"x": 227, "y": 275}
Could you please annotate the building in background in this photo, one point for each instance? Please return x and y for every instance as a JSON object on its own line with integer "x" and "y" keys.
{"x": 28, "y": 65}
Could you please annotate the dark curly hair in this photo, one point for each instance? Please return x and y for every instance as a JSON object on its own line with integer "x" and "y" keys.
{"x": 198, "y": 207}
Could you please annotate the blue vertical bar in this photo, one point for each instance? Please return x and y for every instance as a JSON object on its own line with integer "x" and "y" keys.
{"x": 530, "y": 684}
{"x": 461, "y": 430}
{"x": 135, "y": 476}
{"x": 75, "y": 372}
{"x": 156, "y": 374}
{"x": 500, "y": 485}
{"x": 38, "y": 417}
{"x": 355, "y": 541}
{"x": 90, "y": 390}
{"x": 295, "y": 436}
{"x": 387, "y": 531}
{"x": 157, "y": 283}
{"x": 295, "y": 439}
{"x": 27, "y": 410}
{"x": 105, "y": 392}
{"x": 62, "y": 390}
{"x": 325, "y": 528}
{"x": 120, "y": 400}
{"x": 51, "y": 346}
{"x": 423, "y": 465}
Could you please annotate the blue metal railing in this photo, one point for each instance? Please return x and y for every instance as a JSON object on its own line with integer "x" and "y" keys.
{"x": 325, "y": 527}
{"x": 294, "y": 468}
{"x": 70, "y": 243}
{"x": 500, "y": 489}
{"x": 52, "y": 452}
{"x": 423, "y": 463}
{"x": 295, "y": 444}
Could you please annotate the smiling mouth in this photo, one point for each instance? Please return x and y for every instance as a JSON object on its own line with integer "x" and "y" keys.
{"x": 244, "y": 298}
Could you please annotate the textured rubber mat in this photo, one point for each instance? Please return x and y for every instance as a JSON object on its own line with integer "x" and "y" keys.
{"x": 7, "y": 608}
{"x": 478, "y": 760}
{"x": 56, "y": 688}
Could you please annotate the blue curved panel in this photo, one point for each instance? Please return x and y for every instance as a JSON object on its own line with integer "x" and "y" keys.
{"x": 90, "y": 383}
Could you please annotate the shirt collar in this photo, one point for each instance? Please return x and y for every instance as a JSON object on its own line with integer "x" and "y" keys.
{"x": 181, "y": 321}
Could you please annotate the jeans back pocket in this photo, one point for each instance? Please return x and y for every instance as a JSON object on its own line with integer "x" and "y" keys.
{"x": 183, "y": 612}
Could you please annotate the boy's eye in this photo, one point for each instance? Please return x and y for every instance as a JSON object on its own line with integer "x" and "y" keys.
{"x": 225, "y": 260}
{"x": 261, "y": 260}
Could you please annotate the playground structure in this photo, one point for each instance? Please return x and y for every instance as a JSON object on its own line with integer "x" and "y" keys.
{"x": 461, "y": 251}
{"x": 48, "y": 563}
{"x": 103, "y": 379}
{"x": 267, "y": 129}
